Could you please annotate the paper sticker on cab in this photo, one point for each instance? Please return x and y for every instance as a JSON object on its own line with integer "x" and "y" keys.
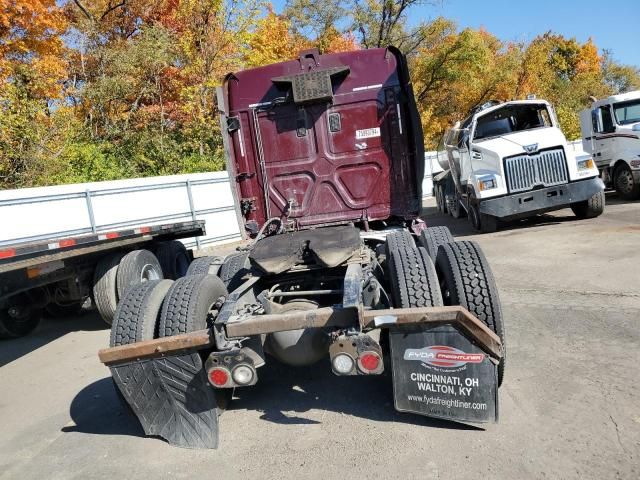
{"x": 442, "y": 356}
{"x": 368, "y": 133}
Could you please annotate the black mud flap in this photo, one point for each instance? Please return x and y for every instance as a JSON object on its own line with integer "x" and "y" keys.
{"x": 440, "y": 373}
{"x": 172, "y": 399}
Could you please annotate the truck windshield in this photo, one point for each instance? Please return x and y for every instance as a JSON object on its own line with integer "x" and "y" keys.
{"x": 512, "y": 118}
{"x": 627, "y": 112}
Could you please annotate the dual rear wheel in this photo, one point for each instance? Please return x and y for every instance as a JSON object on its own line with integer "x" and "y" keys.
{"x": 171, "y": 396}
{"x": 460, "y": 275}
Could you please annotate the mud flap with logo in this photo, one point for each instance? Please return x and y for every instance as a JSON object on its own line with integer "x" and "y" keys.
{"x": 440, "y": 373}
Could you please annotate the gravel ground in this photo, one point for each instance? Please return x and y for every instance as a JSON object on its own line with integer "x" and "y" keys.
{"x": 569, "y": 407}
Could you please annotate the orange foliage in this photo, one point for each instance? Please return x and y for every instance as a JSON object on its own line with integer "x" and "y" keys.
{"x": 31, "y": 46}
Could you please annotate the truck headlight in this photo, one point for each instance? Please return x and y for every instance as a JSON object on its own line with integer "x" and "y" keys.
{"x": 487, "y": 183}
{"x": 586, "y": 164}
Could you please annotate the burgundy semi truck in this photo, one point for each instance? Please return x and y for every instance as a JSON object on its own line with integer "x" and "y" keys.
{"x": 327, "y": 155}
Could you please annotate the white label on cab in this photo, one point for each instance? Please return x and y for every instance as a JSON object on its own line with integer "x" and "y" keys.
{"x": 368, "y": 133}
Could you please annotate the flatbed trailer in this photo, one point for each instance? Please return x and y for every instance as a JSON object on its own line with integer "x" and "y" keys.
{"x": 57, "y": 275}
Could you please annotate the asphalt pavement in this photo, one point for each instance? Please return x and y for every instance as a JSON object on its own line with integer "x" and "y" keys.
{"x": 569, "y": 406}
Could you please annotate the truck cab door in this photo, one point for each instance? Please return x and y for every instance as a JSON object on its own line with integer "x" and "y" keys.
{"x": 588, "y": 133}
{"x": 604, "y": 141}
{"x": 465, "y": 155}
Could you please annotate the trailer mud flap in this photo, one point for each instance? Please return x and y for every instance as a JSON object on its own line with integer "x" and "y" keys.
{"x": 171, "y": 398}
{"x": 438, "y": 372}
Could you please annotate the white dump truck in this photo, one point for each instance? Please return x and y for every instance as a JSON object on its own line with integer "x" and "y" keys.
{"x": 611, "y": 133}
{"x": 511, "y": 160}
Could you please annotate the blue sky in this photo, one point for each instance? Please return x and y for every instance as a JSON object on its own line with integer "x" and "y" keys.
{"x": 612, "y": 25}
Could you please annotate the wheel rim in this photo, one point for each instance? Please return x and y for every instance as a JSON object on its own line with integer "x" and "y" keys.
{"x": 625, "y": 181}
{"x": 19, "y": 320}
{"x": 149, "y": 273}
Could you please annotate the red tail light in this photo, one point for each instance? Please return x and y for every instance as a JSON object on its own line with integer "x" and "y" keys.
{"x": 219, "y": 377}
{"x": 369, "y": 361}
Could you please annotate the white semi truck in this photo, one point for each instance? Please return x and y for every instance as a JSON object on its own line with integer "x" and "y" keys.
{"x": 611, "y": 133}
{"x": 511, "y": 160}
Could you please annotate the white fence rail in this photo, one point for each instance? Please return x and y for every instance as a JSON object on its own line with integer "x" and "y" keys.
{"x": 32, "y": 214}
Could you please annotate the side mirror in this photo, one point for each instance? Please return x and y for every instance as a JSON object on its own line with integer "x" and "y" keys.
{"x": 596, "y": 119}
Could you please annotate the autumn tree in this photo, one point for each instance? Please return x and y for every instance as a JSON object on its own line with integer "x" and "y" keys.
{"x": 104, "y": 89}
{"x": 455, "y": 71}
{"x": 32, "y": 69}
{"x": 565, "y": 72}
{"x": 619, "y": 78}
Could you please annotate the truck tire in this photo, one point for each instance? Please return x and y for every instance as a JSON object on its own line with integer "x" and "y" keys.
{"x": 235, "y": 267}
{"x": 205, "y": 266}
{"x": 174, "y": 259}
{"x": 440, "y": 204}
{"x": 186, "y": 309}
{"x": 170, "y": 396}
{"x": 412, "y": 277}
{"x": 591, "y": 208}
{"x": 455, "y": 207}
{"x": 136, "y": 318}
{"x": 480, "y": 222}
{"x": 188, "y": 304}
{"x": 18, "y": 318}
{"x": 466, "y": 279}
{"x": 432, "y": 237}
{"x": 136, "y": 267}
{"x": 625, "y": 184}
{"x": 400, "y": 240}
{"x": 105, "y": 290}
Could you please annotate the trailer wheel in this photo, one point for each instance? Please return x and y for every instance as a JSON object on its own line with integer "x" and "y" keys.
{"x": 235, "y": 266}
{"x": 432, "y": 237}
{"x": 136, "y": 267}
{"x": 18, "y": 317}
{"x": 186, "y": 309}
{"x": 412, "y": 275}
{"x": 625, "y": 184}
{"x": 591, "y": 208}
{"x": 205, "y": 266}
{"x": 174, "y": 259}
{"x": 466, "y": 279}
{"x": 105, "y": 291}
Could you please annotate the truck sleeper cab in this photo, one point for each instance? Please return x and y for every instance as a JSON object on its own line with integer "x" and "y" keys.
{"x": 611, "y": 133}
{"x": 510, "y": 160}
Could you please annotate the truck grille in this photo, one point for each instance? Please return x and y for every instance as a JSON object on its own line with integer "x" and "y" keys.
{"x": 546, "y": 168}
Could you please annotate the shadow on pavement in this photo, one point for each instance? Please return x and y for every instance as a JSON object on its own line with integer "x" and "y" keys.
{"x": 461, "y": 226}
{"x": 283, "y": 392}
{"x": 49, "y": 330}
{"x": 97, "y": 409}
{"x": 283, "y": 395}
